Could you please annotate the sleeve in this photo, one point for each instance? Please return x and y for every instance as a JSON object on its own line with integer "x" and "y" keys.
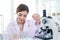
{"x": 8, "y": 32}
{"x": 9, "y": 29}
{"x": 33, "y": 28}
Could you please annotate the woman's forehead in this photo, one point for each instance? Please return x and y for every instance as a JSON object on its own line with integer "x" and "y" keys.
{"x": 23, "y": 13}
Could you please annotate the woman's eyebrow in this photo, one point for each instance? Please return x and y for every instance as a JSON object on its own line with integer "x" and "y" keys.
{"x": 20, "y": 14}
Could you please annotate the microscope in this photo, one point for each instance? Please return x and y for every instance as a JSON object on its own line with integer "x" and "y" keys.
{"x": 45, "y": 33}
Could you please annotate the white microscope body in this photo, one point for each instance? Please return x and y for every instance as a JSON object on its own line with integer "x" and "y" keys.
{"x": 52, "y": 24}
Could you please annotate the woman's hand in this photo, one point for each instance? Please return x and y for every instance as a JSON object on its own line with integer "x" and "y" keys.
{"x": 36, "y": 17}
{"x": 15, "y": 37}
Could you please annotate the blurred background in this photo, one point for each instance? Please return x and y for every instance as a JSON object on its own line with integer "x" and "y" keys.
{"x": 8, "y": 10}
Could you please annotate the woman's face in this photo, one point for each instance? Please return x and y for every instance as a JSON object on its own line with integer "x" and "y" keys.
{"x": 21, "y": 16}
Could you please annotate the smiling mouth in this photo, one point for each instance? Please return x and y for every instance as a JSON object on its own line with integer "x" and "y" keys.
{"x": 21, "y": 20}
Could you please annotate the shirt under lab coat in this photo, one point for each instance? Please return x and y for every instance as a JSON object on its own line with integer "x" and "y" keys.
{"x": 29, "y": 29}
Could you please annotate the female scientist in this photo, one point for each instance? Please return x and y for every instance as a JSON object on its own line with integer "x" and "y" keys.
{"x": 21, "y": 25}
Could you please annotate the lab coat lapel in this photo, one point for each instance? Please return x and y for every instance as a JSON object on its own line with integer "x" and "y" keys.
{"x": 17, "y": 29}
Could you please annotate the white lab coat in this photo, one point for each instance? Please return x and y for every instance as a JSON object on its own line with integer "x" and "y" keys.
{"x": 28, "y": 31}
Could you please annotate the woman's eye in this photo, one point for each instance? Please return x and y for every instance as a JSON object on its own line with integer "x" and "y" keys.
{"x": 20, "y": 15}
{"x": 24, "y": 15}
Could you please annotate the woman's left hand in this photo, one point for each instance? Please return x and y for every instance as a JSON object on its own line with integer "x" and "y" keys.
{"x": 36, "y": 17}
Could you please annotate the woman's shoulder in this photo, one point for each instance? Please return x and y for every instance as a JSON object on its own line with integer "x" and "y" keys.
{"x": 10, "y": 27}
{"x": 12, "y": 23}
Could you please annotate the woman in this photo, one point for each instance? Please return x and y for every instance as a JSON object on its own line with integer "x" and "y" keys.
{"x": 21, "y": 25}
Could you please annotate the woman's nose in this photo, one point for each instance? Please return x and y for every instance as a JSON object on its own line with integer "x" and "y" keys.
{"x": 22, "y": 17}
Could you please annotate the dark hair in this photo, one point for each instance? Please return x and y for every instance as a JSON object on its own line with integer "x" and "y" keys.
{"x": 22, "y": 7}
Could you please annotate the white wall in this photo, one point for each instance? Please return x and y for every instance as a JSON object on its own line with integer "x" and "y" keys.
{"x": 6, "y": 11}
{"x": 58, "y": 5}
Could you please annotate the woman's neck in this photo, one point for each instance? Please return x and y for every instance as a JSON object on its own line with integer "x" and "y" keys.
{"x": 21, "y": 25}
